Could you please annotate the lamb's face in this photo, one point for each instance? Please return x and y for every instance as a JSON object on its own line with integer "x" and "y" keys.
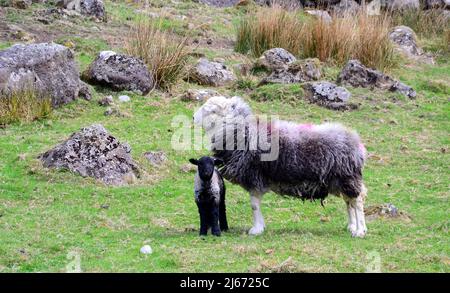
{"x": 218, "y": 109}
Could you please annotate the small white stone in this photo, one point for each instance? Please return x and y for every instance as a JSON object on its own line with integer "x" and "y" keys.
{"x": 106, "y": 54}
{"x": 146, "y": 249}
{"x": 124, "y": 99}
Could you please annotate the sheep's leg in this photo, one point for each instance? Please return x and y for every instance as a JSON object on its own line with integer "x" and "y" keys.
{"x": 351, "y": 213}
{"x": 203, "y": 219}
{"x": 258, "y": 220}
{"x": 361, "y": 228}
{"x": 223, "y": 216}
{"x": 215, "y": 230}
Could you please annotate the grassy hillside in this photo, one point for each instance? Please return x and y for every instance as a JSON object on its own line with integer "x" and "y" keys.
{"x": 47, "y": 214}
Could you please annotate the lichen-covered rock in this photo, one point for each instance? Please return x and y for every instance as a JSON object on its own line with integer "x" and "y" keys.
{"x": 198, "y": 95}
{"x": 210, "y": 73}
{"x": 320, "y": 14}
{"x": 404, "y": 39}
{"x": 48, "y": 68}
{"x": 119, "y": 72}
{"x": 345, "y": 7}
{"x": 220, "y": 3}
{"x": 21, "y": 4}
{"x": 94, "y": 8}
{"x": 93, "y": 152}
{"x": 358, "y": 75}
{"x": 156, "y": 158}
{"x": 296, "y": 72}
{"x": 276, "y": 58}
{"x": 399, "y": 5}
{"x": 327, "y": 94}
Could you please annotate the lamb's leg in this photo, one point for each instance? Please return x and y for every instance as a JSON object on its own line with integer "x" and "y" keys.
{"x": 203, "y": 219}
{"x": 215, "y": 230}
{"x": 258, "y": 220}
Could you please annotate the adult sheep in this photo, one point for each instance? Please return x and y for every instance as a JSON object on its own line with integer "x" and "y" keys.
{"x": 312, "y": 160}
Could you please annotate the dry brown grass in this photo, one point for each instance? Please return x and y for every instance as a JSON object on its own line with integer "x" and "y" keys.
{"x": 24, "y": 105}
{"x": 163, "y": 52}
{"x": 354, "y": 36}
{"x": 425, "y": 23}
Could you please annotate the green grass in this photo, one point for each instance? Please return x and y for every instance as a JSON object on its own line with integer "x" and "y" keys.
{"x": 47, "y": 214}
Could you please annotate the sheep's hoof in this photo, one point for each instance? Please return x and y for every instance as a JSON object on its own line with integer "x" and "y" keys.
{"x": 359, "y": 234}
{"x": 351, "y": 229}
{"x": 257, "y": 230}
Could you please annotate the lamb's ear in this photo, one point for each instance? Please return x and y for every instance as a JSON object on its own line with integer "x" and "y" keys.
{"x": 218, "y": 162}
{"x": 193, "y": 161}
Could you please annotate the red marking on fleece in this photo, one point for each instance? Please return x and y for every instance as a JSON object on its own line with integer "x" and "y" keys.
{"x": 307, "y": 126}
{"x": 363, "y": 149}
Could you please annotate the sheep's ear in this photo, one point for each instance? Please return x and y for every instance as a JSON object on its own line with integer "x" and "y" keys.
{"x": 193, "y": 161}
{"x": 218, "y": 162}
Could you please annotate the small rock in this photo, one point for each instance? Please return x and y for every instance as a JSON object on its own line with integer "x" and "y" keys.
{"x": 345, "y": 8}
{"x": 320, "y": 14}
{"x": 93, "y": 8}
{"x": 21, "y": 4}
{"x": 276, "y": 58}
{"x": 156, "y": 158}
{"x": 327, "y": 94}
{"x": 106, "y": 101}
{"x": 357, "y": 75}
{"x": 211, "y": 73}
{"x": 401, "y": 5}
{"x": 188, "y": 168}
{"x": 104, "y": 206}
{"x": 193, "y": 95}
{"x": 146, "y": 249}
{"x": 296, "y": 72}
{"x": 124, "y": 98}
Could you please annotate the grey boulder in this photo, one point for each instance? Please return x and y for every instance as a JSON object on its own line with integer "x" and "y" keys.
{"x": 345, "y": 7}
{"x": 320, "y": 14}
{"x": 210, "y": 73}
{"x": 119, "y": 72}
{"x": 405, "y": 41}
{"x": 93, "y": 152}
{"x": 48, "y": 68}
{"x": 327, "y": 94}
{"x": 357, "y": 75}
{"x": 276, "y": 58}
{"x": 400, "y": 5}
{"x": 21, "y": 4}
{"x": 296, "y": 72}
{"x": 94, "y": 8}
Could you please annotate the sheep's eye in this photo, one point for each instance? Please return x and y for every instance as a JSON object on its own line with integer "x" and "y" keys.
{"x": 233, "y": 106}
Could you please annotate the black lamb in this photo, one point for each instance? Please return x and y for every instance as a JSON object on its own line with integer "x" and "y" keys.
{"x": 210, "y": 196}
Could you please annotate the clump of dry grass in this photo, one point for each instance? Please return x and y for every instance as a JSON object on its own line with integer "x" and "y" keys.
{"x": 24, "y": 105}
{"x": 427, "y": 23}
{"x": 268, "y": 28}
{"x": 164, "y": 53}
{"x": 354, "y": 36}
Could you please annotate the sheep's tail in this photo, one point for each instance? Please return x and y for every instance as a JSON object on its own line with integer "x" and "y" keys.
{"x": 363, "y": 150}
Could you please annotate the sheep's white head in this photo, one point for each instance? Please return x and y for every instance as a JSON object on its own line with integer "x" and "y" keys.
{"x": 221, "y": 109}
